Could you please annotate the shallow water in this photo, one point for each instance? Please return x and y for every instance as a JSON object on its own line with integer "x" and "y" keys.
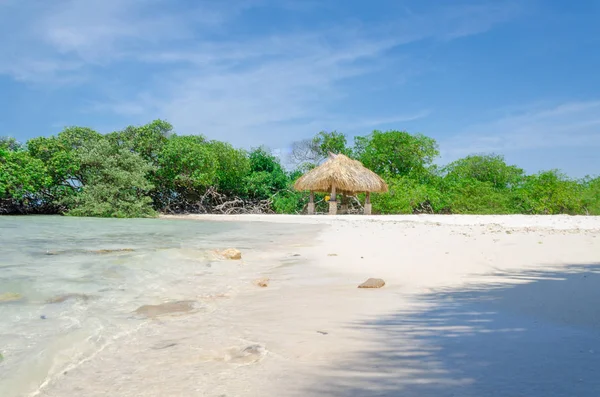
{"x": 75, "y": 283}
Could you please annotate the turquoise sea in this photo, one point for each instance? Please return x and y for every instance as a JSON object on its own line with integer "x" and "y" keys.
{"x": 70, "y": 286}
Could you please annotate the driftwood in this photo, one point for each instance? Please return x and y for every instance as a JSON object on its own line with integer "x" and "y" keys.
{"x": 28, "y": 207}
{"x": 213, "y": 202}
{"x": 210, "y": 202}
{"x": 423, "y": 208}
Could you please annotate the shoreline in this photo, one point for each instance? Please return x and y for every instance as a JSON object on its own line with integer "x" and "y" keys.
{"x": 316, "y": 333}
{"x": 557, "y": 222}
{"x": 428, "y": 259}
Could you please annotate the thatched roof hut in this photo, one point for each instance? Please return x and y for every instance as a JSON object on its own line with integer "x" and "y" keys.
{"x": 341, "y": 174}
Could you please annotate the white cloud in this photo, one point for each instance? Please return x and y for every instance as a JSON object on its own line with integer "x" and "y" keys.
{"x": 72, "y": 34}
{"x": 270, "y": 88}
{"x": 566, "y": 125}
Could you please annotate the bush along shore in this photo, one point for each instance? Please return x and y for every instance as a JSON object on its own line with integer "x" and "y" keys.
{"x": 145, "y": 170}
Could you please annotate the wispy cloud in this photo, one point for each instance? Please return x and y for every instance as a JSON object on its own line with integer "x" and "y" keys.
{"x": 566, "y": 125}
{"x": 203, "y": 75}
{"x": 67, "y": 35}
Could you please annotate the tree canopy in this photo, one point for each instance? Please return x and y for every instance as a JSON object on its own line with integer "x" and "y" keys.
{"x": 396, "y": 152}
{"x": 143, "y": 170}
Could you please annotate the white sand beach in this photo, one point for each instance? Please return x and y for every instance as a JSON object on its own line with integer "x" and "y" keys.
{"x": 472, "y": 306}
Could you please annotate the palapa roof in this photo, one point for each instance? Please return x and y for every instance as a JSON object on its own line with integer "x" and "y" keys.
{"x": 347, "y": 175}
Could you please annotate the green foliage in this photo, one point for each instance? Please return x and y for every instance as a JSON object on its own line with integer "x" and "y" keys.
{"x": 116, "y": 184}
{"x": 233, "y": 165}
{"x": 146, "y": 140}
{"x": 143, "y": 169}
{"x": 472, "y": 196}
{"x": 22, "y": 177}
{"x": 480, "y": 184}
{"x": 591, "y": 195}
{"x": 485, "y": 168}
{"x": 187, "y": 165}
{"x": 550, "y": 192}
{"x": 407, "y": 196}
{"x": 396, "y": 152}
{"x": 59, "y": 154}
{"x": 74, "y": 138}
{"x": 266, "y": 177}
{"x": 289, "y": 202}
{"x": 58, "y": 158}
{"x": 331, "y": 142}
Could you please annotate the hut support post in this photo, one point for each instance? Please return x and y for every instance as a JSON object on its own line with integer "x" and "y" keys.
{"x": 344, "y": 205}
{"x": 333, "y": 202}
{"x": 311, "y": 203}
{"x": 368, "y": 208}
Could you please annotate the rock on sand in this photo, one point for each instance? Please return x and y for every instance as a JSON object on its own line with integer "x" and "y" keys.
{"x": 165, "y": 308}
{"x": 231, "y": 253}
{"x": 372, "y": 283}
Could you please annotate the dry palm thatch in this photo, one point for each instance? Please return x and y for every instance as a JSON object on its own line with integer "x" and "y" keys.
{"x": 347, "y": 175}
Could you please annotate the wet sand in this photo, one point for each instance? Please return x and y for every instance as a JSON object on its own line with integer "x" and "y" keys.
{"x": 472, "y": 306}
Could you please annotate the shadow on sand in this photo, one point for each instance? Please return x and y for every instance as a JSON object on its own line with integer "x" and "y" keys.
{"x": 537, "y": 336}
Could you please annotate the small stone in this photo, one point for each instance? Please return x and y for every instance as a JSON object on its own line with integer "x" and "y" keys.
{"x": 231, "y": 253}
{"x": 42, "y": 317}
{"x": 165, "y": 308}
{"x": 372, "y": 283}
{"x": 323, "y": 332}
{"x": 10, "y": 297}
{"x": 262, "y": 282}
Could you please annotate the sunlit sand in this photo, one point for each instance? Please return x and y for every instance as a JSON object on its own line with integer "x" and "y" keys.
{"x": 471, "y": 306}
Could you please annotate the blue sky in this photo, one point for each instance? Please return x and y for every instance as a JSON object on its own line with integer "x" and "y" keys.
{"x": 520, "y": 78}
